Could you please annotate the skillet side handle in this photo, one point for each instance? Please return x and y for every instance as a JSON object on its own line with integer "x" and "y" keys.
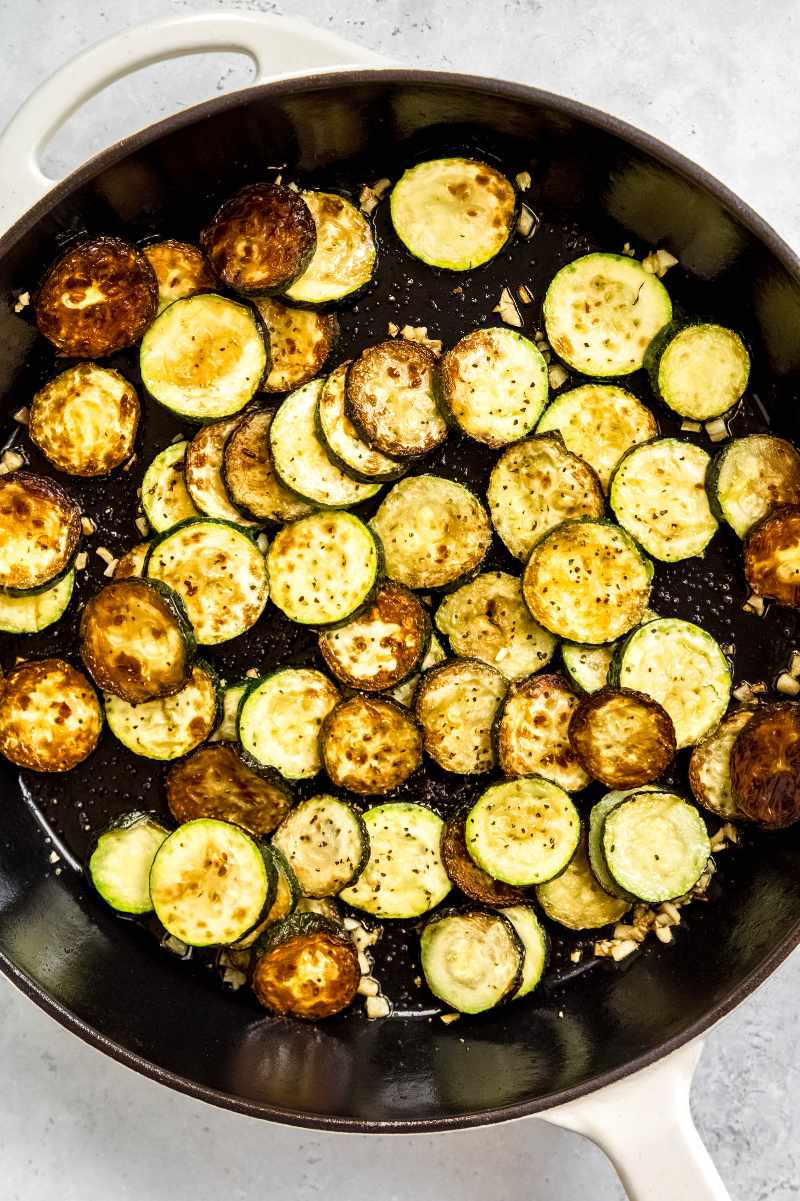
{"x": 645, "y": 1126}
{"x": 279, "y": 46}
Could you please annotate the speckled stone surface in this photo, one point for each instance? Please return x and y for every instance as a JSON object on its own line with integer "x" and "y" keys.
{"x": 718, "y": 81}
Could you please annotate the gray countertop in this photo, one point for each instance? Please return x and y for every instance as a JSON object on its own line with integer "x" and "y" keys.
{"x": 718, "y": 81}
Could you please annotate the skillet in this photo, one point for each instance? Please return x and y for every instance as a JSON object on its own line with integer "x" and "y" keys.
{"x": 599, "y": 183}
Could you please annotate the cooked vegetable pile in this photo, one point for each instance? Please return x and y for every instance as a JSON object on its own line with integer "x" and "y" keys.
{"x": 301, "y": 490}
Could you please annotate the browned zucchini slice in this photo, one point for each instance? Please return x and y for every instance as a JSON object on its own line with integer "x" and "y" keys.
{"x": 250, "y": 476}
{"x": 136, "y": 640}
{"x": 462, "y": 869}
{"x": 710, "y": 765}
{"x": 132, "y": 562}
{"x": 300, "y": 343}
{"x": 456, "y": 705}
{"x": 532, "y": 732}
{"x": 306, "y": 968}
{"x": 622, "y": 737}
{"x": 40, "y": 527}
{"x": 765, "y": 767}
{"x": 181, "y": 270}
{"x": 202, "y": 472}
{"x": 85, "y": 420}
{"x": 383, "y": 645}
{"x": 100, "y": 296}
{"x": 370, "y": 745}
{"x": 261, "y": 239}
{"x": 343, "y": 444}
{"x": 772, "y": 556}
{"x": 391, "y": 398}
{"x": 215, "y": 781}
{"x": 50, "y": 717}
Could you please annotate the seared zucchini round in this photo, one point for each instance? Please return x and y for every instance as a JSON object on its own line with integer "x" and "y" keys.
{"x": 710, "y": 765}
{"x": 165, "y": 497}
{"x": 370, "y": 745}
{"x": 454, "y": 213}
{"x": 171, "y": 726}
{"x": 493, "y": 385}
{"x": 750, "y": 477}
{"x": 50, "y": 717}
{"x": 136, "y": 640}
{"x": 383, "y": 645}
{"x": 261, "y": 239}
{"x": 622, "y": 738}
{"x": 216, "y": 781}
{"x": 119, "y": 866}
{"x": 456, "y": 704}
{"x": 249, "y": 474}
{"x": 343, "y": 443}
{"x": 307, "y": 967}
{"x": 300, "y": 343}
{"x": 181, "y": 270}
{"x": 434, "y": 532}
{"x": 202, "y": 471}
{"x": 523, "y": 831}
{"x": 40, "y": 528}
{"x": 586, "y": 666}
{"x": 575, "y": 899}
{"x": 204, "y": 357}
{"x": 699, "y": 370}
{"x": 280, "y": 718}
{"x": 404, "y": 876}
{"x": 132, "y": 562}
{"x": 772, "y": 556}
{"x": 472, "y": 961}
{"x": 35, "y": 611}
{"x": 656, "y": 845}
{"x": 326, "y": 844}
{"x": 85, "y": 420}
{"x": 535, "y": 944}
{"x": 534, "y": 486}
{"x": 390, "y": 397}
{"x": 462, "y": 869}
{"x": 323, "y": 568}
{"x": 765, "y": 767}
{"x": 532, "y": 732}
{"x": 344, "y": 257}
{"x": 98, "y": 297}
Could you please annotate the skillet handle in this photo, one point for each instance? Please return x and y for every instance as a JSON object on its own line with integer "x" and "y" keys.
{"x": 279, "y": 46}
{"x": 644, "y": 1125}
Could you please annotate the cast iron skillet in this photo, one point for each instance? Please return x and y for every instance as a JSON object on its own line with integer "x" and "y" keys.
{"x": 598, "y": 184}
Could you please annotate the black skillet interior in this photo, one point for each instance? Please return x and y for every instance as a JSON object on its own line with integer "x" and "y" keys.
{"x": 109, "y": 978}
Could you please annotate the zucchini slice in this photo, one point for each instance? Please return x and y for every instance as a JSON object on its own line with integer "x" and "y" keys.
{"x": 344, "y": 257}
{"x": 171, "y": 726}
{"x": 750, "y": 477}
{"x": 132, "y": 562}
{"x": 204, "y": 357}
{"x": 523, "y": 831}
{"x": 50, "y": 717}
{"x": 202, "y": 471}
{"x": 370, "y": 745}
{"x": 300, "y": 459}
{"x": 404, "y": 876}
{"x": 456, "y": 704}
{"x": 576, "y": 900}
{"x": 586, "y": 666}
{"x": 710, "y": 765}
{"x": 765, "y": 767}
{"x": 532, "y": 935}
{"x": 658, "y": 495}
{"x": 228, "y": 728}
{"x": 772, "y": 556}
{"x": 623, "y": 738}
{"x": 136, "y": 640}
{"x": 324, "y": 906}
{"x": 656, "y": 845}
{"x": 306, "y": 968}
{"x": 300, "y": 343}
{"x": 404, "y": 693}
{"x": 37, "y": 610}
{"x": 219, "y": 573}
{"x": 180, "y": 268}
{"x": 326, "y": 843}
{"x": 249, "y": 474}
{"x": 165, "y": 497}
{"x": 98, "y": 297}
{"x": 699, "y": 370}
{"x": 323, "y": 568}
{"x": 488, "y": 619}
{"x": 216, "y": 781}
{"x": 454, "y": 213}
{"x": 343, "y": 443}
{"x": 261, "y": 239}
{"x": 683, "y": 668}
{"x": 40, "y": 528}
{"x": 532, "y": 733}
{"x": 472, "y": 961}
{"x": 383, "y": 645}
{"x": 120, "y": 863}
{"x": 462, "y": 869}
{"x": 434, "y": 532}
{"x": 280, "y": 719}
{"x": 208, "y": 883}
{"x": 587, "y": 581}
{"x": 390, "y": 397}
{"x": 85, "y": 420}
{"x": 602, "y": 311}
{"x": 534, "y": 486}
{"x": 493, "y": 385}
{"x": 599, "y": 423}
{"x": 594, "y": 841}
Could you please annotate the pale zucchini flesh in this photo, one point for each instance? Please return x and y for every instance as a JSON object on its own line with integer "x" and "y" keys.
{"x": 344, "y": 256}
{"x": 494, "y": 385}
{"x": 165, "y": 497}
{"x": 404, "y": 693}
{"x": 586, "y": 666}
{"x": 576, "y": 900}
{"x": 523, "y": 831}
{"x": 323, "y": 568}
{"x": 471, "y": 961}
{"x": 202, "y": 471}
{"x": 228, "y": 727}
{"x": 656, "y": 845}
{"x": 532, "y": 733}
{"x": 171, "y": 726}
{"x": 457, "y": 704}
{"x": 280, "y": 719}
{"x": 750, "y": 477}
{"x": 326, "y": 843}
{"x": 594, "y": 841}
{"x": 404, "y": 876}
{"x": 36, "y": 611}
{"x": 701, "y": 371}
{"x": 120, "y": 863}
{"x": 534, "y": 941}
